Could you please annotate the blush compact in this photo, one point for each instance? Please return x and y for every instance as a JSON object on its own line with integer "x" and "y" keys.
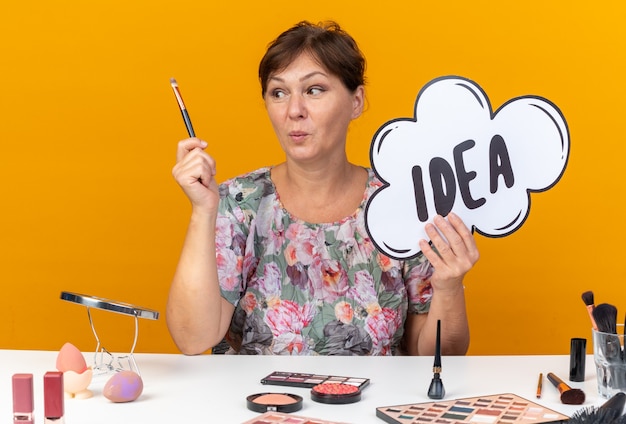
{"x": 335, "y": 393}
{"x": 275, "y": 402}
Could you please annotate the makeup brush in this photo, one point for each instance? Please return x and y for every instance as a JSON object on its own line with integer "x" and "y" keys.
{"x": 589, "y": 303}
{"x": 605, "y": 414}
{"x": 592, "y": 415}
{"x": 606, "y": 318}
{"x": 183, "y": 109}
{"x": 436, "y": 390}
{"x": 605, "y": 315}
{"x": 616, "y": 403}
{"x": 569, "y": 396}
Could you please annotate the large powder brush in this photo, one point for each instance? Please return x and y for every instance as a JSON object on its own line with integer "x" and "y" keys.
{"x": 605, "y": 316}
{"x": 569, "y": 395}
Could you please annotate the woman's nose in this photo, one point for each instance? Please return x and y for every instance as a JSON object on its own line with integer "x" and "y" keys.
{"x": 297, "y": 107}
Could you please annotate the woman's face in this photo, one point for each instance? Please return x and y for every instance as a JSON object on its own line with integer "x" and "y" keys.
{"x": 310, "y": 110}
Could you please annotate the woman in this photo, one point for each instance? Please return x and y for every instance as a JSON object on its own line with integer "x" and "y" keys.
{"x": 278, "y": 260}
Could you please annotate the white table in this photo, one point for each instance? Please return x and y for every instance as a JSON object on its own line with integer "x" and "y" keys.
{"x": 213, "y": 388}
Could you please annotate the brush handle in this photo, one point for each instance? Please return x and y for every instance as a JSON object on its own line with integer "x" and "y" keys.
{"x": 437, "y": 363}
{"x": 558, "y": 383}
{"x": 183, "y": 109}
{"x": 187, "y": 120}
{"x": 593, "y": 321}
{"x": 612, "y": 348}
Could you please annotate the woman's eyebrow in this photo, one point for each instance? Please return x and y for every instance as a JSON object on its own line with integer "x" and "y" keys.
{"x": 303, "y": 78}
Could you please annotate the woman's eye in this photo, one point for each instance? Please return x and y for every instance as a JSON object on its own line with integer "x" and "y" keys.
{"x": 278, "y": 94}
{"x": 315, "y": 91}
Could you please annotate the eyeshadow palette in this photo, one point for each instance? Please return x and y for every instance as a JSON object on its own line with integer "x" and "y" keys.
{"x": 503, "y": 408}
{"x": 280, "y": 418}
{"x": 298, "y": 379}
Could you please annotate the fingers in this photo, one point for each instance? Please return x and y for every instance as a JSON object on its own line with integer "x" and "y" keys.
{"x": 466, "y": 237}
{"x": 193, "y": 163}
{"x": 461, "y": 228}
{"x": 450, "y": 234}
{"x": 188, "y": 145}
{"x": 452, "y": 239}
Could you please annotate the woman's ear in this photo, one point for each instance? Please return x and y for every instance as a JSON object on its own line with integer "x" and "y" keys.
{"x": 358, "y": 101}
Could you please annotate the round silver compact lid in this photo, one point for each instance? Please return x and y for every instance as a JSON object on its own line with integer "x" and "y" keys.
{"x": 109, "y": 305}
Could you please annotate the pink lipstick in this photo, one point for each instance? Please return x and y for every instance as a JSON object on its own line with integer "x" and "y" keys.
{"x": 23, "y": 399}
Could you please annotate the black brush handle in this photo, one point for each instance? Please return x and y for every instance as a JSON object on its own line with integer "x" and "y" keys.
{"x": 437, "y": 363}
{"x": 557, "y": 382}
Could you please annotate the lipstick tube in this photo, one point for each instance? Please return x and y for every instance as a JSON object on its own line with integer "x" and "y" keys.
{"x": 23, "y": 405}
{"x": 54, "y": 403}
{"x": 577, "y": 353}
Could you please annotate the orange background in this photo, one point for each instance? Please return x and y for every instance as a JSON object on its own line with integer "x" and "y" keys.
{"x": 89, "y": 127}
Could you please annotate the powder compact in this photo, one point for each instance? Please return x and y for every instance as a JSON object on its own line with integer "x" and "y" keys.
{"x": 336, "y": 393}
{"x": 276, "y": 402}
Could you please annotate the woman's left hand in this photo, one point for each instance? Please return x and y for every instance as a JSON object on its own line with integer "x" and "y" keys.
{"x": 454, "y": 253}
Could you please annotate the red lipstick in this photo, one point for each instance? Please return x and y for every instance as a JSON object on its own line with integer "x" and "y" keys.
{"x": 53, "y": 397}
{"x": 23, "y": 399}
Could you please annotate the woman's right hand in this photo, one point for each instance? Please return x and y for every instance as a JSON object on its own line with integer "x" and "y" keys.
{"x": 197, "y": 316}
{"x": 195, "y": 173}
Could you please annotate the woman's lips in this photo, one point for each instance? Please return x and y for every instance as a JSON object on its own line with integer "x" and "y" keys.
{"x": 298, "y": 135}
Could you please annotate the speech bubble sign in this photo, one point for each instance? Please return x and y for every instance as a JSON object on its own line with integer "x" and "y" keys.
{"x": 456, "y": 154}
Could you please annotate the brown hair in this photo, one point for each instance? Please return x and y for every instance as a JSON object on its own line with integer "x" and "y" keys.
{"x": 326, "y": 42}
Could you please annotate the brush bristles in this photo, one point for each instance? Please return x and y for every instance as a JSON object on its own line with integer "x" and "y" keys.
{"x": 615, "y": 404}
{"x": 588, "y": 298}
{"x": 573, "y": 397}
{"x": 593, "y": 415}
{"x": 605, "y": 316}
{"x": 608, "y": 413}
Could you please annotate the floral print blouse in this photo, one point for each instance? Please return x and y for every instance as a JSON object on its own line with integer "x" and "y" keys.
{"x": 310, "y": 289}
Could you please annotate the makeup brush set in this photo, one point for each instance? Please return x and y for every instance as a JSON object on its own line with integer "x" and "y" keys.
{"x": 608, "y": 346}
{"x": 603, "y": 316}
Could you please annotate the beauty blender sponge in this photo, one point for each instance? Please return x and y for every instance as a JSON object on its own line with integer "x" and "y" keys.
{"x": 71, "y": 359}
